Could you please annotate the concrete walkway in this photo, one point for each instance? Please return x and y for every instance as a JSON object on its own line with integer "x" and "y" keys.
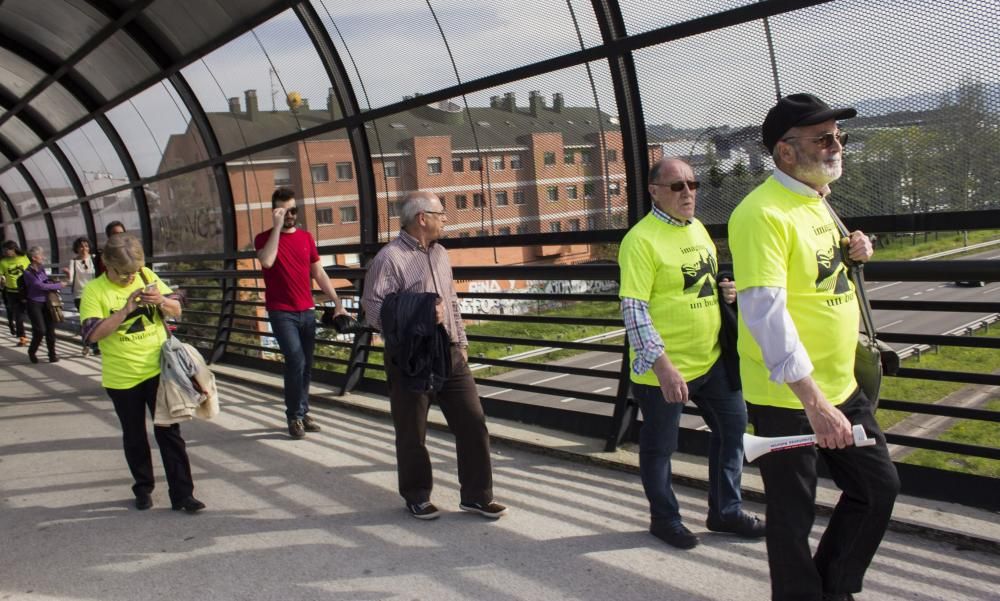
{"x": 320, "y": 518}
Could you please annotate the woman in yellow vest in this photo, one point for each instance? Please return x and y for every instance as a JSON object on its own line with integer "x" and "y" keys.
{"x": 12, "y": 266}
{"x": 126, "y": 320}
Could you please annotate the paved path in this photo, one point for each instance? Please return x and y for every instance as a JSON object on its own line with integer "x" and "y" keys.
{"x": 320, "y": 519}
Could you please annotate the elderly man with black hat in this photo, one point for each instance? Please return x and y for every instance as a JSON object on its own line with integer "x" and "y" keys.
{"x": 797, "y": 335}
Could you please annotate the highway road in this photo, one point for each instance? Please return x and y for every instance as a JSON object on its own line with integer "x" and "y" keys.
{"x": 938, "y": 322}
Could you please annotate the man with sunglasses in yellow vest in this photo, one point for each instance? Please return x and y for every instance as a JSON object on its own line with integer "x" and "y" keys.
{"x": 670, "y": 304}
{"x": 798, "y": 329}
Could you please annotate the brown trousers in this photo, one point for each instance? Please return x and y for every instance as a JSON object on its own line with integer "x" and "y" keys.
{"x": 459, "y": 401}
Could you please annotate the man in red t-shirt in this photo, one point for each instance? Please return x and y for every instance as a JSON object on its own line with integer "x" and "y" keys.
{"x": 290, "y": 263}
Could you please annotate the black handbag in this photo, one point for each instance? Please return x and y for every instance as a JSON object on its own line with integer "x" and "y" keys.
{"x": 872, "y": 357}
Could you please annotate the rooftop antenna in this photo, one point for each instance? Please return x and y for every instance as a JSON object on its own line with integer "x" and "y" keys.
{"x": 272, "y": 75}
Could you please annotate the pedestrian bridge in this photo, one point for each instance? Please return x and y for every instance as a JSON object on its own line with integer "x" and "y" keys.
{"x": 320, "y": 518}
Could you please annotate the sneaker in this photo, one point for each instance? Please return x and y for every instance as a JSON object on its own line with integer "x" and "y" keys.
{"x": 423, "y": 511}
{"x": 744, "y": 524}
{"x": 190, "y": 505}
{"x": 296, "y": 429}
{"x": 309, "y": 424}
{"x": 492, "y": 510}
{"x": 675, "y": 536}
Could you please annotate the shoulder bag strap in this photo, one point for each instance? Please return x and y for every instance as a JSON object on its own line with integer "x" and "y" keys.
{"x": 163, "y": 319}
{"x": 857, "y": 276}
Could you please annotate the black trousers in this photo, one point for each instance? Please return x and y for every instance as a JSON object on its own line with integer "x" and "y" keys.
{"x": 41, "y": 327}
{"x": 15, "y": 312}
{"x": 869, "y": 485}
{"x": 131, "y": 405}
{"x": 459, "y": 401}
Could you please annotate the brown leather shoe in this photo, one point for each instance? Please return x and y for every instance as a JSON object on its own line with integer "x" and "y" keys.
{"x": 296, "y": 430}
{"x": 309, "y": 424}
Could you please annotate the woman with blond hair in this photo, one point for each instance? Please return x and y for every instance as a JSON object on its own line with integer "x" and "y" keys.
{"x": 125, "y": 317}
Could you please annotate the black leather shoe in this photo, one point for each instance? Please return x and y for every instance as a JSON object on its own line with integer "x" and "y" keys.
{"x": 143, "y": 502}
{"x": 675, "y": 536}
{"x": 33, "y": 357}
{"x": 744, "y": 524}
{"x": 53, "y": 359}
{"x": 190, "y": 505}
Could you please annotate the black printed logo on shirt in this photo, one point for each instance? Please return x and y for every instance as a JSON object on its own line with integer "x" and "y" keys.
{"x": 700, "y": 275}
{"x": 139, "y": 318}
{"x": 831, "y": 271}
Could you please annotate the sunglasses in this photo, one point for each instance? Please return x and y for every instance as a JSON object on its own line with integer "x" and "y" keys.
{"x": 679, "y": 186}
{"x": 292, "y": 211}
{"x": 824, "y": 141}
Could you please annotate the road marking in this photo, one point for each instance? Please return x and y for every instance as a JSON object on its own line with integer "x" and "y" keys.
{"x": 889, "y": 325}
{"x": 567, "y": 399}
{"x": 543, "y": 380}
{"x": 916, "y": 294}
{"x": 603, "y": 364}
{"x": 882, "y": 286}
{"x": 602, "y": 389}
{"x": 930, "y": 289}
{"x": 905, "y": 297}
{"x": 486, "y": 396}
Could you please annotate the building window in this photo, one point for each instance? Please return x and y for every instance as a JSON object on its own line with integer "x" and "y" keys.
{"x": 324, "y": 216}
{"x": 522, "y": 229}
{"x": 555, "y": 227}
{"x": 591, "y": 223}
{"x": 476, "y": 164}
{"x": 571, "y": 192}
{"x": 393, "y": 208}
{"x": 477, "y": 200}
{"x": 458, "y": 165}
{"x": 282, "y": 177}
{"x": 498, "y": 164}
{"x": 501, "y": 198}
{"x": 434, "y": 165}
{"x": 569, "y": 157}
{"x": 320, "y": 173}
{"x": 612, "y": 155}
{"x": 519, "y": 197}
{"x": 344, "y": 171}
{"x": 461, "y": 202}
{"x": 463, "y": 234}
{"x": 553, "y": 193}
{"x": 390, "y": 168}
{"x": 515, "y": 161}
{"x": 574, "y": 225}
{"x": 614, "y": 189}
{"x": 588, "y": 190}
{"x": 549, "y": 158}
{"x": 585, "y": 157}
{"x": 348, "y": 214}
{"x": 481, "y": 233}
{"x": 504, "y": 231}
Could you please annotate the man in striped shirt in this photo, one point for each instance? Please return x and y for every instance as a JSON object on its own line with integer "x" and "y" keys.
{"x": 415, "y": 263}
{"x": 670, "y": 303}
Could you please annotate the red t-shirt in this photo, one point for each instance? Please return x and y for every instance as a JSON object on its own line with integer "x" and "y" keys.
{"x": 288, "y": 283}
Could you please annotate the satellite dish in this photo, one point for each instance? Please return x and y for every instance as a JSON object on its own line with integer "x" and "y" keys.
{"x": 294, "y": 100}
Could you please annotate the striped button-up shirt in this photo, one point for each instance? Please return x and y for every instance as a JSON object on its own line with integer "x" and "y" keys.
{"x": 405, "y": 265}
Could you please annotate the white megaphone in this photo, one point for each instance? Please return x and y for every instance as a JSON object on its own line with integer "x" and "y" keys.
{"x": 755, "y": 446}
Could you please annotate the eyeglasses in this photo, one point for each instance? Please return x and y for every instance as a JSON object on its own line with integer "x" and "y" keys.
{"x": 433, "y": 212}
{"x": 679, "y": 186}
{"x": 824, "y": 141}
{"x": 291, "y": 211}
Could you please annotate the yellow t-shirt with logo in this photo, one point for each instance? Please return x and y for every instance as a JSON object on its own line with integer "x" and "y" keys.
{"x": 785, "y": 240}
{"x": 12, "y": 268}
{"x": 673, "y": 269}
{"x": 131, "y": 354}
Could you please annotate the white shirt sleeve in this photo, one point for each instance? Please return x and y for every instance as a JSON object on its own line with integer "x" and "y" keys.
{"x": 764, "y": 310}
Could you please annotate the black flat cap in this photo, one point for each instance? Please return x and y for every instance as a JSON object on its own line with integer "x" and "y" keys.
{"x": 795, "y": 110}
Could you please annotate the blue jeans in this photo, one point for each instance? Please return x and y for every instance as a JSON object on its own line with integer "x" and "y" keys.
{"x": 296, "y": 335}
{"x": 725, "y": 413}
